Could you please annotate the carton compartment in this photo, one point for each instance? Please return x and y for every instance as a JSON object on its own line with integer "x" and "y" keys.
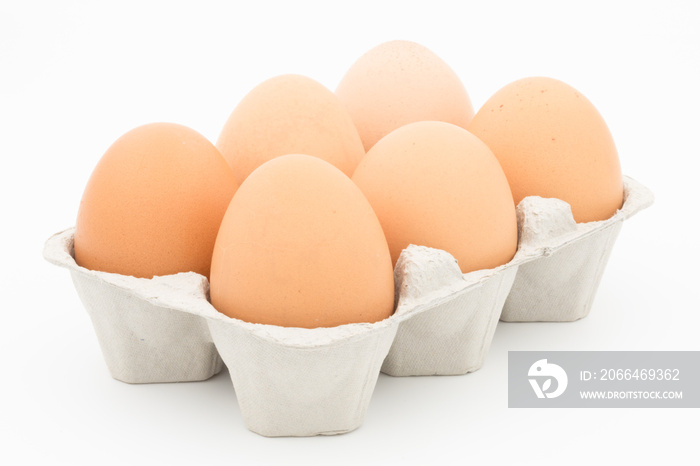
{"x": 567, "y": 260}
{"x": 455, "y": 318}
{"x": 572, "y": 273}
{"x": 142, "y": 341}
{"x": 290, "y": 390}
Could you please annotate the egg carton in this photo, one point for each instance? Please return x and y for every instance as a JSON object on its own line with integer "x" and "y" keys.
{"x": 304, "y": 382}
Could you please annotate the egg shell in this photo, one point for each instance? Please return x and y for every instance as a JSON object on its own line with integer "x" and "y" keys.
{"x": 300, "y": 246}
{"x": 299, "y": 382}
{"x": 401, "y": 82}
{"x": 552, "y": 142}
{"x": 435, "y": 184}
{"x": 289, "y": 114}
{"x": 154, "y": 203}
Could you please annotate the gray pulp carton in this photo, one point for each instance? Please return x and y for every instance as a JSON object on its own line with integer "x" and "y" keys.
{"x": 301, "y": 382}
{"x": 288, "y": 381}
{"x": 143, "y": 339}
{"x": 559, "y": 284}
{"x": 453, "y": 316}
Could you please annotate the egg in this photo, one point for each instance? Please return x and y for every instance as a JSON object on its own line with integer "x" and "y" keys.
{"x": 300, "y": 246}
{"x": 435, "y": 184}
{"x": 153, "y": 204}
{"x": 401, "y": 82}
{"x": 285, "y": 115}
{"x": 552, "y": 142}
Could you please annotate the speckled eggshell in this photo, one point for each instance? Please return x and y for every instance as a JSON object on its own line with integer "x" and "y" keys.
{"x": 401, "y": 82}
{"x": 289, "y": 114}
{"x": 435, "y": 184}
{"x": 300, "y": 246}
{"x": 153, "y": 204}
{"x": 552, "y": 142}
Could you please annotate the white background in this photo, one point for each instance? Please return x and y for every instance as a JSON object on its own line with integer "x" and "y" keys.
{"x": 75, "y": 76}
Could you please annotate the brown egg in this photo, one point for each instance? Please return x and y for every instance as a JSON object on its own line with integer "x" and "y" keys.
{"x": 401, "y": 82}
{"x": 552, "y": 142}
{"x": 153, "y": 204}
{"x": 289, "y": 114}
{"x": 435, "y": 184}
{"x": 300, "y": 246}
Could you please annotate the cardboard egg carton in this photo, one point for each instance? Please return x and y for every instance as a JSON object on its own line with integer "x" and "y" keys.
{"x": 303, "y": 382}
